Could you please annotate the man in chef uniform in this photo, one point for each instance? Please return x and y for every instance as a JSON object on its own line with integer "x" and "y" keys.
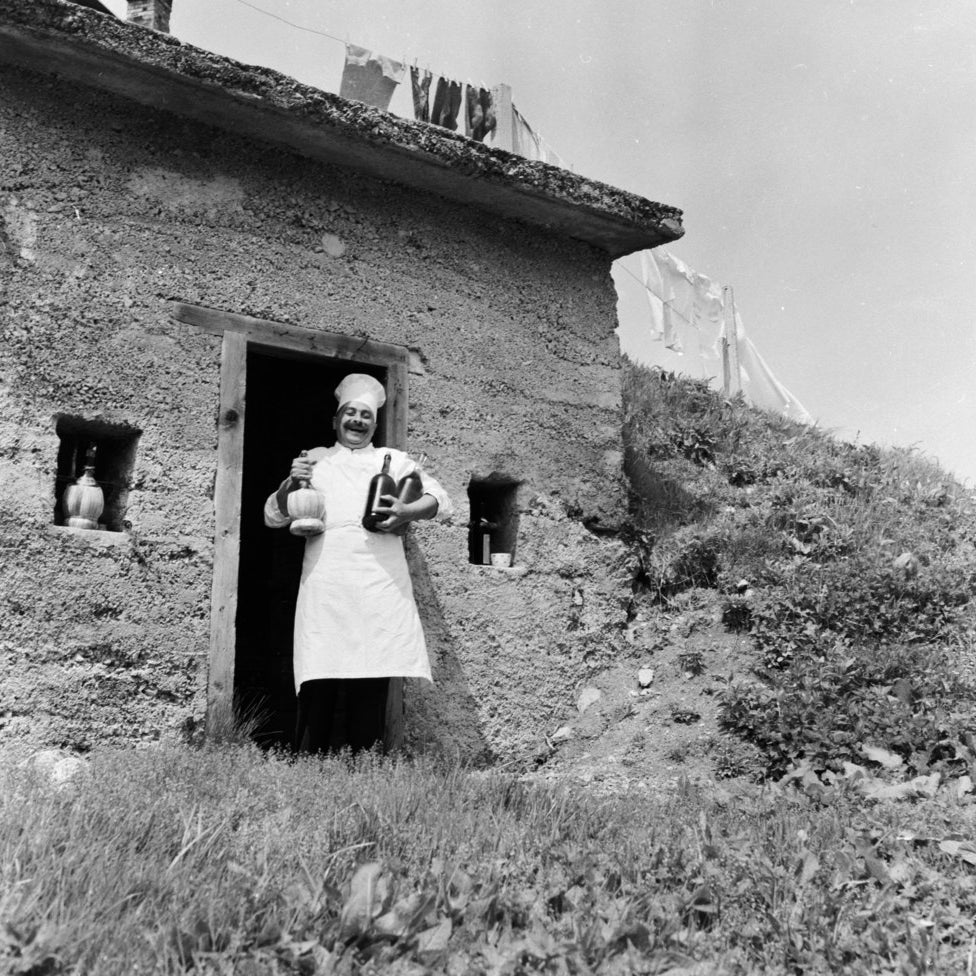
{"x": 356, "y": 623}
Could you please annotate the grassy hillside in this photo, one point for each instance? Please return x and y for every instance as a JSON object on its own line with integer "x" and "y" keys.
{"x": 851, "y": 569}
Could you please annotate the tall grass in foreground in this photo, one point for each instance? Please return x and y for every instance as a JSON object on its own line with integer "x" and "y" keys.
{"x": 232, "y": 861}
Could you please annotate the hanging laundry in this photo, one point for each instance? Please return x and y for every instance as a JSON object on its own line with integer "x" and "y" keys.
{"x": 550, "y": 156}
{"x": 682, "y": 301}
{"x": 370, "y": 78}
{"x": 490, "y": 120}
{"x": 420, "y": 79}
{"x": 479, "y": 113}
{"x": 760, "y": 386}
{"x": 528, "y": 143}
{"x": 669, "y": 295}
{"x": 524, "y": 140}
{"x": 656, "y": 294}
{"x": 447, "y": 104}
{"x": 708, "y": 320}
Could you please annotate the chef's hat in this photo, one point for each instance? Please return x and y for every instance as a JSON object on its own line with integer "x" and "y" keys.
{"x": 361, "y": 388}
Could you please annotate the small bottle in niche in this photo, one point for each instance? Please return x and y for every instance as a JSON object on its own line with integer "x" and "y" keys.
{"x": 380, "y": 484}
{"x": 84, "y": 501}
{"x": 486, "y": 527}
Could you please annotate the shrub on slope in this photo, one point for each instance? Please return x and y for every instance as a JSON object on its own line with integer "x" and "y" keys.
{"x": 851, "y": 567}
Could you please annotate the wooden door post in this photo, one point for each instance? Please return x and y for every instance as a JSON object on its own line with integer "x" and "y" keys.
{"x": 227, "y": 535}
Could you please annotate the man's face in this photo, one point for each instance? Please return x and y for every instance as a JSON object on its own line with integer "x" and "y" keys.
{"x": 354, "y": 425}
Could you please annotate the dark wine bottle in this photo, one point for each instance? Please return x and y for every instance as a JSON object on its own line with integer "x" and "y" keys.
{"x": 409, "y": 488}
{"x": 380, "y": 484}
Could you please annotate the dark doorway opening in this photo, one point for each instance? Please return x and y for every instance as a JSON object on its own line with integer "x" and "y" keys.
{"x": 290, "y": 404}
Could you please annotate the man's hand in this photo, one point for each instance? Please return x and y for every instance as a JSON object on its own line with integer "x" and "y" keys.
{"x": 301, "y": 470}
{"x": 397, "y": 514}
{"x": 400, "y": 514}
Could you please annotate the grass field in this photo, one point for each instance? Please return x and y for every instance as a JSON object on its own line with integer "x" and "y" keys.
{"x": 232, "y": 861}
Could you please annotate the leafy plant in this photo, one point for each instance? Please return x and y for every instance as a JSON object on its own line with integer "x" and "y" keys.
{"x": 692, "y": 662}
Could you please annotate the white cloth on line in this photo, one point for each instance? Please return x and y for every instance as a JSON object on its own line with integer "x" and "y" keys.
{"x": 761, "y": 387}
{"x": 356, "y": 616}
{"x": 685, "y": 302}
{"x": 528, "y": 143}
{"x": 670, "y": 291}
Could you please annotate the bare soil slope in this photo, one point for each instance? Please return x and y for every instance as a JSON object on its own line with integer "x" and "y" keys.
{"x": 651, "y": 717}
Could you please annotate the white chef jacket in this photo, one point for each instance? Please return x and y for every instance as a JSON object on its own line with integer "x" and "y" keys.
{"x": 356, "y": 616}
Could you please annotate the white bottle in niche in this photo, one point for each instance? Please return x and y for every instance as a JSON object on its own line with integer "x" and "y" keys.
{"x": 486, "y": 527}
{"x": 83, "y": 502}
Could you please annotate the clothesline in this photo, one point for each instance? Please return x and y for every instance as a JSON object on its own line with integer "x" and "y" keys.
{"x": 308, "y": 30}
{"x": 660, "y": 298}
{"x": 528, "y": 142}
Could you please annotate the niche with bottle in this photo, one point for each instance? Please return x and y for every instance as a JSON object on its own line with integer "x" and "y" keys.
{"x": 93, "y": 455}
{"x": 493, "y": 529}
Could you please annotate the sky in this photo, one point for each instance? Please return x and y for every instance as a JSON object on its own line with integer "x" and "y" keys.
{"x": 822, "y": 152}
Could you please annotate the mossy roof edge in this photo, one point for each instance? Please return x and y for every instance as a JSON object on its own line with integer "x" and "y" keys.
{"x": 63, "y": 38}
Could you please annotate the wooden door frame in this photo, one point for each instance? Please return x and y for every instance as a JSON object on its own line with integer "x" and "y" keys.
{"x": 238, "y": 332}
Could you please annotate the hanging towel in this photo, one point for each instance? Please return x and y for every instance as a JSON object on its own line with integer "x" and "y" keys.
{"x": 447, "y": 104}
{"x": 654, "y": 292}
{"x": 708, "y": 320}
{"x": 669, "y": 295}
{"x": 760, "y": 386}
{"x": 490, "y": 120}
{"x": 479, "y": 113}
{"x": 370, "y": 78}
{"x": 528, "y": 143}
{"x": 550, "y": 156}
{"x": 524, "y": 140}
{"x": 420, "y": 83}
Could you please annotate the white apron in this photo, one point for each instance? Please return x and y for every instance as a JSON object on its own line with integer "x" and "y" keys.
{"x": 356, "y": 616}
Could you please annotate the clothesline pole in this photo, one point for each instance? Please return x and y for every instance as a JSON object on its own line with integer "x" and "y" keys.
{"x": 731, "y": 377}
{"x": 503, "y": 137}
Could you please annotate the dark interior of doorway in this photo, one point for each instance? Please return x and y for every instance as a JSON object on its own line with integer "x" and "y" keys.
{"x": 290, "y": 403}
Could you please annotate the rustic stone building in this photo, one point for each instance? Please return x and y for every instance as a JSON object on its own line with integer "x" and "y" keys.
{"x": 192, "y": 253}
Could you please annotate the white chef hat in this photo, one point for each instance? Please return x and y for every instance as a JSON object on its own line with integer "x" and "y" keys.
{"x": 361, "y": 388}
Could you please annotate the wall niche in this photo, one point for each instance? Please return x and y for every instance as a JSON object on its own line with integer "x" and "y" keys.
{"x": 112, "y": 448}
{"x": 493, "y": 528}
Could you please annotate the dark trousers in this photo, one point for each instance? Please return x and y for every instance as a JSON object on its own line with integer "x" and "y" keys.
{"x": 334, "y": 713}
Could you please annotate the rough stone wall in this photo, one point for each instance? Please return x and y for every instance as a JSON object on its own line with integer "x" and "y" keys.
{"x": 108, "y": 212}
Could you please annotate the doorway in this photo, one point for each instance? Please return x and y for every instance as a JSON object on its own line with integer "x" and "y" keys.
{"x": 290, "y": 405}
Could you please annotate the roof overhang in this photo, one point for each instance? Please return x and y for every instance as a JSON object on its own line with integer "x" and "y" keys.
{"x": 57, "y": 37}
